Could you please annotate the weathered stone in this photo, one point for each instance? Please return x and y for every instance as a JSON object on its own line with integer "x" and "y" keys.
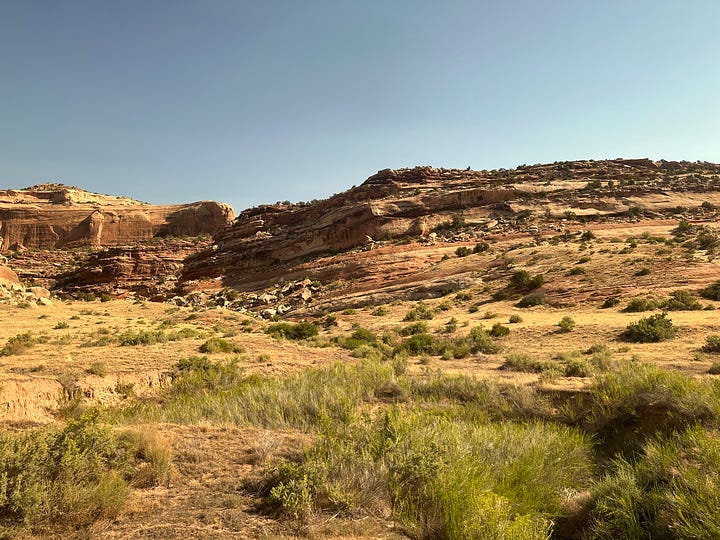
{"x": 54, "y": 215}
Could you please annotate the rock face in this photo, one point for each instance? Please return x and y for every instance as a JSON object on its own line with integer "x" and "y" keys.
{"x": 150, "y": 270}
{"x": 57, "y": 216}
{"x": 268, "y": 243}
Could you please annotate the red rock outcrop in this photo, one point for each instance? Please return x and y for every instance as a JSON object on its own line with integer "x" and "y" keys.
{"x": 150, "y": 269}
{"x": 57, "y": 216}
{"x": 275, "y": 242}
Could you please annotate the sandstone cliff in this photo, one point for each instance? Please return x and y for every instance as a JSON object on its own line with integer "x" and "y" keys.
{"x": 269, "y": 243}
{"x": 57, "y": 216}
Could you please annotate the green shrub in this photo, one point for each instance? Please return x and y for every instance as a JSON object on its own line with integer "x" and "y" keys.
{"x": 712, "y": 344}
{"x": 463, "y": 251}
{"x": 523, "y": 281}
{"x": 360, "y": 336}
{"x": 61, "y": 326}
{"x": 420, "y": 327}
{"x": 650, "y": 329}
{"x": 481, "y": 342}
{"x": 515, "y": 318}
{"x": 577, "y": 271}
{"x": 64, "y": 479}
{"x": 711, "y": 292}
{"x": 98, "y": 368}
{"x": 481, "y": 247}
{"x": 714, "y": 369}
{"x": 19, "y": 344}
{"x": 610, "y": 302}
{"x": 219, "y": 345}
{"x": 420, "y": 344}
{"x": 296, "y": 332}
{"x": 528, "y": 364}
{"x": 498, "y": 330}
{"x": 451, "y": 326}
{"x": 566, "y": 324}
{"x": 681, "y": 301}
{"x": 532, "y": 299}
{"x": 418, "y": 313}
{"x": 627, "y": 407}
{"x": 637, "y": 305}
{"x": 380, "y": 311}
{"x": 666, "y": 493}
{"x": 463, "y": 296}
{"x": 442, "y": 477}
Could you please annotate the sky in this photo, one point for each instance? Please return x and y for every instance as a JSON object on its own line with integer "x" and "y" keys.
{"x": 252, "y": 102}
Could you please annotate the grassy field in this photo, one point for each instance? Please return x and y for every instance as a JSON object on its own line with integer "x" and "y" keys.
{"x": 465, "y": 416}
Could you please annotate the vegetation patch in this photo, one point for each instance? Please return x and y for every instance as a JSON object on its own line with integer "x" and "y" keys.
{"x": 68, "y": 478}
{"x": 220, "y": 345}
{"x": 650, "y": 329}
{"x": 295, "y": 332}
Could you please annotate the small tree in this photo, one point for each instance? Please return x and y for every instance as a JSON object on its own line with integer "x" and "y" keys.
{"x": 566, "y": 324}
{"x": 652, "y": 329}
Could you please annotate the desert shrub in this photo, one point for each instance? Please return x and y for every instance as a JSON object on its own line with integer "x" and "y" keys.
{"x": 566, "y": 324}
{"x": 418, "y": 313}
{"x": 577, "y": 271}
{"x": 456, "y": 223}
{"x": 627, "y": 407}
{"x": 637, "y": 305}
{"x": 105, "y": 297}
{"x": 481, "y": 247}
{"x": 481, "y": 342}
{"x": 131, "y": 338}
{"x": 19, "y": 344}
{"x": 523, "y": 281}
{"x": 420, "y": 327}
{"x": 220, "y": 345}
{"x": 515, "y": 318}
{"x": 463, "y": 251}
{"x": 197, "y": 374}
{"x": 151, "y": 452}
{"x": 712, "y": 344}
{"x": 642, "y": 272}
{"x": 420, "y": 344}
{"x": 666, "y": 493}
{"x": 489, "y": 315}
{"x": 204, "y": 391}
{"x": 650, "y": 329}
{"x": 610, "y": 302}
{"x": 296, "y": 332}
{"x": 532, "y": 299}
{"x": 98, "y": 368}
{"x": 451, "y": 326}
{"x": 707, "y": 240}
{"x": 498, "y": 330}
{"x": 442, "y": 477}
{"x": 463, "y": 296}
{"x": 359, "y": 337}
{"x": 681, "y": 301}
{"x": 711, "y": 292}
{"x": 63, "y": 478}
{"x": 61, "y": 326}
{"x": 714, "y": 369}
{"x": 380, "y": 311}
{"x": 526, "y": 363}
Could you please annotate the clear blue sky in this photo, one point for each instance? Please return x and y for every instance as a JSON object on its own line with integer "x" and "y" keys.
{"x": 257, "y": 101}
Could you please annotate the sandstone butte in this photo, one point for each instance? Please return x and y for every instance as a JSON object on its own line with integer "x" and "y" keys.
{"x": 49, "y": 216}
{"x": 290, "y": 241}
